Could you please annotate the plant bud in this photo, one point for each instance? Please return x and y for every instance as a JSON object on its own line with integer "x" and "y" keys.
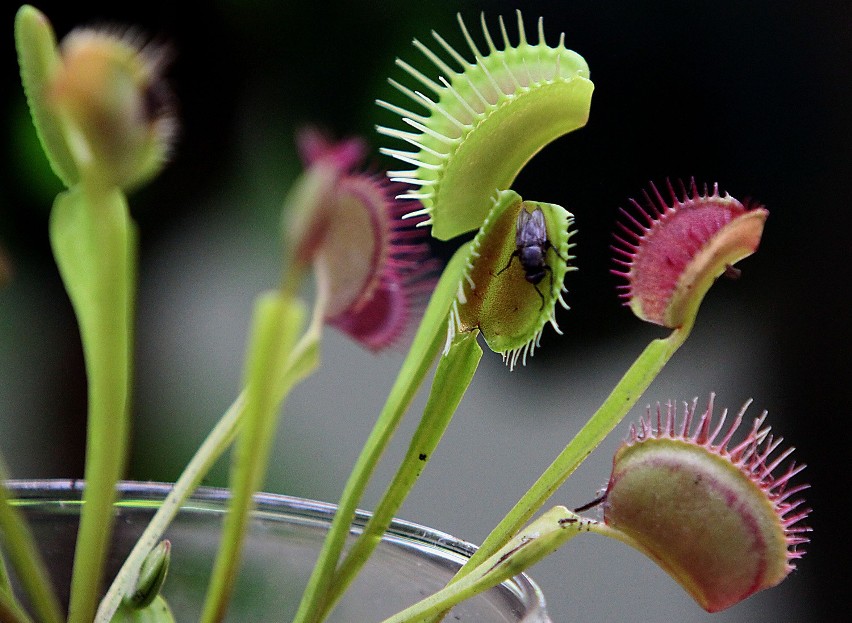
{"x": 152, "y": 574}
{"x": 99, "y": 103}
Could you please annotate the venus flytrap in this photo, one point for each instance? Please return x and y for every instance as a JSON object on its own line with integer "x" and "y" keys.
{"x": 707, "y": 509}
{"x": 483, "y": 121}
{"x": 716, "y": 518}
{"x": 93, "y": 104}
{"x": 101, "y": 111}
{"x": 673, "y": 253}
{"x": 497, "y": 295}
{"x": 506, "y": 312}
{"x": 377, "y": 265}
{"x": 511, "y": 320}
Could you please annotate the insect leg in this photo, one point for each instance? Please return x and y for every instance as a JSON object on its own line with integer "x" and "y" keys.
{"x": 515, "y": 254}
{"x": 540, "y": 295}
{"x": 548, "y": 245}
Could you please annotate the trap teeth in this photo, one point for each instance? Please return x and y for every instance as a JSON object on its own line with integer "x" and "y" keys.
{"x": 470, "y": 111}
{"x": 670, "y": 251}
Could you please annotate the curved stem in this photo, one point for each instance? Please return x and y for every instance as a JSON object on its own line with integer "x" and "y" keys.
{"x": 622, "y": 398}
{"x": 542, "y": 537}
{"x": 425, "y": 347}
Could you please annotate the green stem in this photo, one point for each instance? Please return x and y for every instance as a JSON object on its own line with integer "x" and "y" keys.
{"x": 546, "y": 534}
{"x": 427, "y": 343}
{"x": 274, "y": 367}
{"x": 10, "y": 609}
{"x": 276, "y": 323}
{"x": 5, "y": 583}
{"x": 219, "y": 439}
{"x": 452, "y": 378}
{"x": 622, "y": 398}
{"x": 27, "y": 561}
{"x": 94, "y": 243}
{"x": 302, "y": 362}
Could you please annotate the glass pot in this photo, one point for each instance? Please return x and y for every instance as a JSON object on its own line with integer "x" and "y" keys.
{"x": 283, "y": 542}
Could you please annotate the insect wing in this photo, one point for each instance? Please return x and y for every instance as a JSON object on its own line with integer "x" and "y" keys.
{"x": 531, "y": 230}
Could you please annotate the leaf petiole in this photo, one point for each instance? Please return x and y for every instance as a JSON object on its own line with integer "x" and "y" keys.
{"x": 452, "y": 378}
{"x": 427, "y": 344}
{"x": 622, "y": 398}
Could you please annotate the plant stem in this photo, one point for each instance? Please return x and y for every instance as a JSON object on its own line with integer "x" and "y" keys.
{"x": 425, "y": 347}
{"x": 10, "y": 609}
{"x": 546, "y": 534}
{"x": 452, "y": 378}
{"x": 219, "y": 439}
{"x": 28, "y": 563}
{"x": 275, "y": 326}
{"x": 94, "y": 243}
{"x": 5, "y": 583}
{"x": 274, "y": 367}
{"x": 622, "y": 398}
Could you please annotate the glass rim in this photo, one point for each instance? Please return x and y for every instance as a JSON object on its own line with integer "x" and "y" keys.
{"x": 268, "y": 505}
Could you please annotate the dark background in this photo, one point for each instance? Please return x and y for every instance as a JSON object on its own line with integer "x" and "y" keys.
{"x": 754, "y": 95}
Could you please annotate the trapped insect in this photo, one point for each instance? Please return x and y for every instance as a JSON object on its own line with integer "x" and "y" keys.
{"x": 531, "y": 246}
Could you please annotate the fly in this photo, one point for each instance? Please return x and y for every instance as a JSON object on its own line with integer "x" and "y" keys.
{"x": 531, "y": 246}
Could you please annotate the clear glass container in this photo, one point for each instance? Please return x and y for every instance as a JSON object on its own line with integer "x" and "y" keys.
{"x": 284, "y": 538}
